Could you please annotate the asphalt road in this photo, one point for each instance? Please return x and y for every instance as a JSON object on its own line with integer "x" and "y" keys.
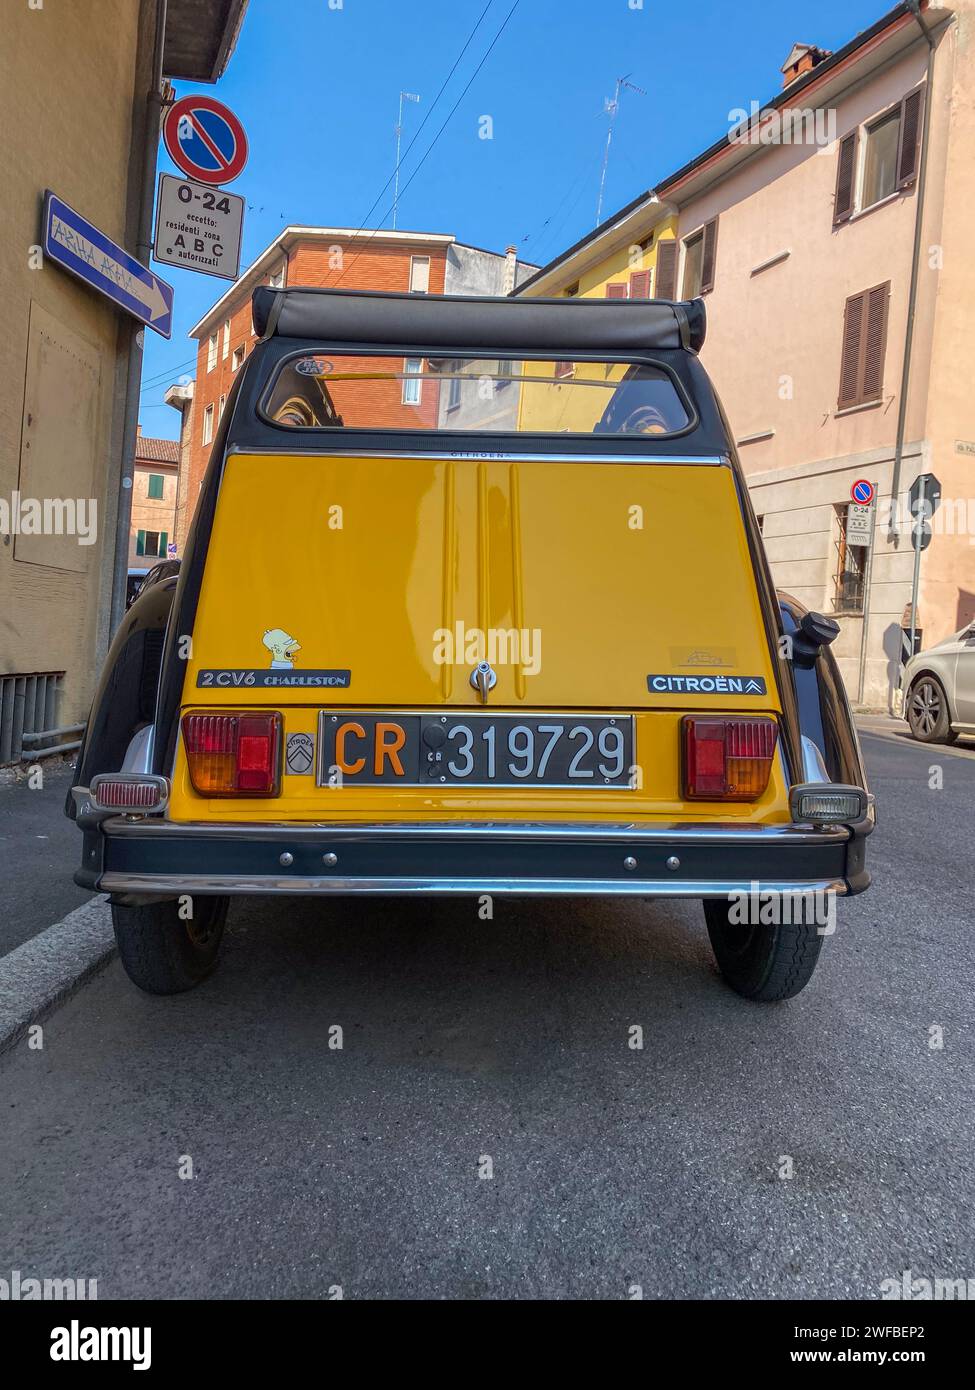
{"x": 316, "y": 1167}
{"x": 39, "y": 851}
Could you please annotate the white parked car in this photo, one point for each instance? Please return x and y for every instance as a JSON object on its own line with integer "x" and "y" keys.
{"x": 939, "y": 689}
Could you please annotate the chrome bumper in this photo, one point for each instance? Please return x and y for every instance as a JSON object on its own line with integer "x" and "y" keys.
{"x": 145, "y": 857}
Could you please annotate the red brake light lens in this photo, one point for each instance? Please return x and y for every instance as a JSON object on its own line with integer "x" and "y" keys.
{"x": 236, "y": 754}
{"x": 728, "y": 759}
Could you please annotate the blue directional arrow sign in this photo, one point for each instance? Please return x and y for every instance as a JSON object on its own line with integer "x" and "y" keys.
{"x": 83, "y": 250}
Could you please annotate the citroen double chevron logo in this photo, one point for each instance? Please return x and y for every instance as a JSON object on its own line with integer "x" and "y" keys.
{"x": 706, "y": 685}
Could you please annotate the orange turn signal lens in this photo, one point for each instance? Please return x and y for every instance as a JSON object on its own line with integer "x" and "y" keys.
{"x": 237, "y": 754}
{"x": 728, "y": 759}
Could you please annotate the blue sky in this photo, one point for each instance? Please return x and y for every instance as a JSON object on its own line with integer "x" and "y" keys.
{"x": 317, "y": 90}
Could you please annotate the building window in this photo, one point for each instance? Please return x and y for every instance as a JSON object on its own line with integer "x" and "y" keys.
{"x": 150, "y": 543}
{"x": 761, "y": 523}
{"x": 564, "y": 369}
{"x": 617, "y": 289}
{"x": 157, "y": 486}
{"x": 864, "y": 348}
{"x": 571, "y": 291}
{"x": 208, "y": 424}
{"x": 693, "y": 261}
{"x": 212, "y": 352}
{"x": 880, "y": 161}
{"x": 412, "y": 367}
{"x": 640, "y": 284}
{"x": 226, "y": 339}
{"x": 223, "y": 402}
{"x": 453, "y": 390}
{"x": 699, "y": 258}
{"x": 276, "y": 281}
{"x": 506, "y": 371}
{"x": 237, "y": 358}
{"x": 850, "y": 568}
{"x": 420, "y": 274}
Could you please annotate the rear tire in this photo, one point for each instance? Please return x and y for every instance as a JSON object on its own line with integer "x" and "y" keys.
{"x": 927, "y": 711}
{"x": 163, "y": 954}
{"x": 763, "y": 963}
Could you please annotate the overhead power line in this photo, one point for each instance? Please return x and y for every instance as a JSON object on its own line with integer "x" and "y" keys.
{"x": 419, "y": 130}
{"x": 433, "y": 143}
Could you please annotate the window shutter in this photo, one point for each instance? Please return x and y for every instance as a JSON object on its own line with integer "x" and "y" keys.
{"x": 640, "y": 284}
{"x": 616, "y": 290}
{"x": 845, "y": 169}
{"x": 163, "y": 542}
{"x": 850, "y": 358}
{"x": 864, "y": 347}
{"x": 666, "y": 270}
{"x": 875, "y": 343}
{"x": 910, "y": 138}
{"x": 709, "y": 256}
{"x": 140, "y": 543}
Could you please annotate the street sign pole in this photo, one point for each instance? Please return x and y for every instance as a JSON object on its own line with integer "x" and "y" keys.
{"x": 152, "y": 113}
{"x": 864, "y": 626}
{"x": 917, "y": 536}
{"x": 860, "y": 521}
{"x": 925, "y": 500}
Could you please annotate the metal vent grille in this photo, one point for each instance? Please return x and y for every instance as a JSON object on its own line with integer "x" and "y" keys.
{"x": 29, "y": 707}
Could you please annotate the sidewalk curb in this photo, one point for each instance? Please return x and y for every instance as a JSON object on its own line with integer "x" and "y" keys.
{"x": 45, "y": 971}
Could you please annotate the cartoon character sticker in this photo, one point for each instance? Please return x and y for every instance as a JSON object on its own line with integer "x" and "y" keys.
{"x": 282, "y": 648}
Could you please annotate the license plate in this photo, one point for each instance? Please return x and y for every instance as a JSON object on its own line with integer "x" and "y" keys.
{"x": 475, "y": 750}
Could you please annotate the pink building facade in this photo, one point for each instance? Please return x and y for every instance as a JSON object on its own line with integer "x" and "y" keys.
{"x": 830, "y": 235}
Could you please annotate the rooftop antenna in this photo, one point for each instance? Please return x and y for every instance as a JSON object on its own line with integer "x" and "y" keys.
{"x": 611, "y": 109}
{"x": 403, "y": 96}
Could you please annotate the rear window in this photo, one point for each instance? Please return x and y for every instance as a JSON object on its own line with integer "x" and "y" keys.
{"x": 494, "y": 395}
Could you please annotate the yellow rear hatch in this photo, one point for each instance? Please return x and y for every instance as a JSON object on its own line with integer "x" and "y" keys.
{"x": 378, "y": 583}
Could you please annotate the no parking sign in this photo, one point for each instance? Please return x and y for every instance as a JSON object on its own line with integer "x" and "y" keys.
{"x": 205, "y": 139}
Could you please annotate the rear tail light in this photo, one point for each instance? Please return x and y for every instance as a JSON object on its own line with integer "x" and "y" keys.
{"x": 727, "y": 759}
{"x": 234, "y": 754}
{"x": 130, "y": 792}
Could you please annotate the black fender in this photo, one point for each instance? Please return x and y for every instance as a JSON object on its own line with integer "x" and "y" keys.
{"x": 125, "y": 700}
{"x": 824, "y": 710}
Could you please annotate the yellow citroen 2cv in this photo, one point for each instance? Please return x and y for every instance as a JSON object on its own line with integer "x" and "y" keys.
{"x": 474, "y": 602}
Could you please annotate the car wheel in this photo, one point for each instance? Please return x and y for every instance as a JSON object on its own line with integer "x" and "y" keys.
{"x": 765, "y": 963}
{"x": 164, "y": 954}
{"x": 927, "y": 711}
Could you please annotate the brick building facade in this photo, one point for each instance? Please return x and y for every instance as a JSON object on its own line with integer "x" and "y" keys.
{"x": 421, "y": 262}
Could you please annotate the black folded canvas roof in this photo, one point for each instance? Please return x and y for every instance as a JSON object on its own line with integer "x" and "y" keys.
{"x": 456, "y": 321}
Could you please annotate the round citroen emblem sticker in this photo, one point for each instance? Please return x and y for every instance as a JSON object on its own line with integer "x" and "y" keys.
{"x": 300, "y": 754}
